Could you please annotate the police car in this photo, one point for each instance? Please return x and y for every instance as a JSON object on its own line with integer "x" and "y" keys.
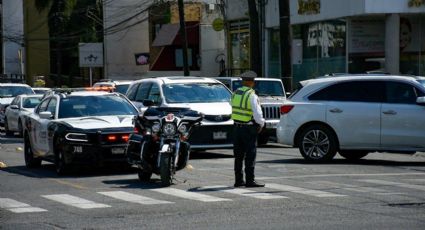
{"x": 78, "y": 127}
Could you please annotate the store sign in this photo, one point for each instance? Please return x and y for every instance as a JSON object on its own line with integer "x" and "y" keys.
{"x": 142, "y": 58}
{"x": 90, "y": 54}
{"x": 308, "y": 7}
{"x": 416, "y": 3}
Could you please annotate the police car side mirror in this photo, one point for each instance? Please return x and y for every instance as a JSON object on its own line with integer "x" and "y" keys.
{"x": 46, "y": 115}
{"x": 14, "y": 107}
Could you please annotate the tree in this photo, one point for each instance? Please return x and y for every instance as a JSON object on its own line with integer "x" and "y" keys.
{"x": 285, "y": 44}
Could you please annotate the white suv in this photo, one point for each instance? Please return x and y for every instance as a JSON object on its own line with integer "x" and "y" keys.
{"x": 204, "y": 95}
{"x": 354, "y": 115}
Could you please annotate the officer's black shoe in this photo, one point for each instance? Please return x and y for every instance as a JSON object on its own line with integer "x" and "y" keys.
{"x": 239, "y": 184}
{"x": 253, "y": 184}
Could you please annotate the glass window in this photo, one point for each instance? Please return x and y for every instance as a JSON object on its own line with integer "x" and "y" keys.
{"x": 52, "y": 106}
{"x": 43, "y": 105}
{"x": 142, "y": 91}
{"x": 274, "y": 53}
{"x": 121, "y": 88}
{"x": 31, "y": 102}
{"x": 105, "y": 105}
{"x": 354, "y": 91}
{"x": 155, "y": 94}
{"x": 131, "y": 93}
{"x": 264, "y": 88}
{"x": 13, "y": 91}
{"x": 15, "y": 101}
{"x": 400, "y": 93}
{"x": 195, "y": 93}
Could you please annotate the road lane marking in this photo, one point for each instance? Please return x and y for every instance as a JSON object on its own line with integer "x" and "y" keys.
{"x": 397, "y": 184}
{"x": 243, "y": 192}
{"x": 189, "y": 195}
{"x": 75, "y": 201}
{"x": 133, "y": 198}
{"x": 341, "y": 175}
{"x": 304, "y": 191}
{"x": 355, "y": 188}
{"x": 18, "y": 207}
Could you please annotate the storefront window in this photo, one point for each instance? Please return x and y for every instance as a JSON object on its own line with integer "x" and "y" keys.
{"x": 273, "y": 68}
{"x": 412, "y": 45}
{"x": 324, "y": 49}
{"x": 239, "y": 41}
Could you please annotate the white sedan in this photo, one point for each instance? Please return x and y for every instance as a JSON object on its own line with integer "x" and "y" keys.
{"x": 14, "y": 115}
{"x": 354, "y": 115}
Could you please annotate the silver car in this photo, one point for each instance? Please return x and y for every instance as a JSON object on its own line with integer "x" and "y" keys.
{"x": 14, "y": 115}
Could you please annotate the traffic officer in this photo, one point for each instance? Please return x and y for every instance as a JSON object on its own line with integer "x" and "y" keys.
{"x": 248, "y": 122}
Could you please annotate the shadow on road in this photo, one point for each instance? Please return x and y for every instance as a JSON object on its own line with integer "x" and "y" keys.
{"x": 347, "y": 162}
{"x": 155, "y": 182}
{"x": 48, "y": 171}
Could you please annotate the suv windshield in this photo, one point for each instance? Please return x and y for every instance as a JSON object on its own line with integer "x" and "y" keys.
{"x": 13, "y": 91}
{"x": 104, "y": 105}
{"x": 195, "y": 93}
{"x": 264, "y": 88}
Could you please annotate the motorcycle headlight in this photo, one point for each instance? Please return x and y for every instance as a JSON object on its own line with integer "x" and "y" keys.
{"x": 169, "y": 129}
{"x": 76, "y": 137}
{"x": 156, "y": 127}
{"x": 183, "y": 128}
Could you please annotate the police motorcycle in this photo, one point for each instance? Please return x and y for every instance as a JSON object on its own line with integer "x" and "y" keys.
{"x": 160, "y": 145}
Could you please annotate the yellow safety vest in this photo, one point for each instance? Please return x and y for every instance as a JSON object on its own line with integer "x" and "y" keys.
{"x": 241, "y": 105}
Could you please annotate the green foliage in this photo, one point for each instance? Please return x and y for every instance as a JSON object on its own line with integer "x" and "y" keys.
{"x": 39, "y": 83}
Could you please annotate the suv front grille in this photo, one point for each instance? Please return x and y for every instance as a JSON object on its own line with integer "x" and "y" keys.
{"x": 271, "y": 112}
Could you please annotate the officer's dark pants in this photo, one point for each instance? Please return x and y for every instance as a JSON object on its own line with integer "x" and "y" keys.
{"x": 244, "y": 147}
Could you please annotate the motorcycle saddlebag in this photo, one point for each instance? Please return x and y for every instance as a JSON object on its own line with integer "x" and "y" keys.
{"x": 133, "y": 148}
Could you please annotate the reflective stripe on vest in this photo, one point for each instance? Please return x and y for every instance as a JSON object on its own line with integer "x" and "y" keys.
{"x": 241, "y": 106}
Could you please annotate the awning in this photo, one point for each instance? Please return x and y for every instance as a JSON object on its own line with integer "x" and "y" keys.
{"x": 166, "y": 35}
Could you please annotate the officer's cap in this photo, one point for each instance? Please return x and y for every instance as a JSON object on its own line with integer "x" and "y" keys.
{"x": 248, "y": 75}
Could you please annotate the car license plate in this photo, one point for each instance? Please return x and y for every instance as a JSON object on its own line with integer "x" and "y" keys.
{"x": 117, "y": 150}
{"x": 219, "y": 135}
{"x": 271, "y": 125}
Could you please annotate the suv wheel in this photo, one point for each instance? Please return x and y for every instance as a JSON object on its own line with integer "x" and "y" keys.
{"x": 317, "y": 143}
{"x": 353, "y": 154}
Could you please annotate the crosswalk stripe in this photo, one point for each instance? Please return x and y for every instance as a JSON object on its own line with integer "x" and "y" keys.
{"x": 189, "y": 195}
{"x": 398, "y": 184}
{"x": 304, "y": 191}
{"x": 243, "y": 192}
{"x": 18, "y": 207}
{"x": 129, "y": 197}
{"x": 75, "y": 201}
{"x": 355, "y": 188}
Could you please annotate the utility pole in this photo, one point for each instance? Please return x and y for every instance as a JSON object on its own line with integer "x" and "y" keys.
{"x": 184, "y": 37}
{"x": 254, "y": 33}
{"x": 285, "y": 45}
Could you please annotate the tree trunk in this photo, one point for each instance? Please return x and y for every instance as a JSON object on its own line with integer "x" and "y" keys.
{"x": 254, "y": 29}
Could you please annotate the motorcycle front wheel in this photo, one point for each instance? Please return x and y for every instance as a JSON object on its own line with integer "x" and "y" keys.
{"x": 165, "y": 169}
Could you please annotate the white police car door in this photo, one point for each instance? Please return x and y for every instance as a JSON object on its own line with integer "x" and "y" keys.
{"x": 40, "y": 129}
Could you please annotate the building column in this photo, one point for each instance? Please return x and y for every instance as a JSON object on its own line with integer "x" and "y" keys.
{"x": 392, "y": 43}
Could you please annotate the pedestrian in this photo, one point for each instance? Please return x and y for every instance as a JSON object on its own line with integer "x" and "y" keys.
{"x": 248, "y": 122}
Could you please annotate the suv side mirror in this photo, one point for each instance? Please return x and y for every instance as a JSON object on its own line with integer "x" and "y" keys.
{"x": 46, "y": 115}
{"x": 148, "y": 103}
{"x": 420, "y": 100}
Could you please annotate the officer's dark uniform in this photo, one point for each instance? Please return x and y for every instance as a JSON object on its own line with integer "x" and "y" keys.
{"x": 244, "y": 136}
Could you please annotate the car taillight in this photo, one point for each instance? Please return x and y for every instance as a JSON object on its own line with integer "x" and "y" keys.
{"x": 286, "y": 109}
{"x": 111, "y": 138}
{"x": 118, "y": 137}
{"x": 125, "y": 137}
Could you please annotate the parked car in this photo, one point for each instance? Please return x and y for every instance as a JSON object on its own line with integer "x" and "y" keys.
{"x": 78, "y": 127}
{"x": 354, "y": 115}
{"x": 40, "y": 90}
{"x": 271, "y": 94}
{"x": 15, "y": 113}
{"x": 8, "y": 91}
{"x": 205, "y": 95}
{"x": 113, "y": 85}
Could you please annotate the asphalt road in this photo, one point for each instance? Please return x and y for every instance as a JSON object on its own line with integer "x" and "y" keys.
{"x": 383, "y": 191}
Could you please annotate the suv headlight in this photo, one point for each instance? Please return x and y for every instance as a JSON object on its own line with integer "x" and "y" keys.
{"x": 76, "y": 137}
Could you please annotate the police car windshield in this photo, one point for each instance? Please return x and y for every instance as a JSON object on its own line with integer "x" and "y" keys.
{"x": 264, "y": 88}
{"x": 195, "y": 93}
{"x": 13, "y": 91}
{"x": 105, "y": 105}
